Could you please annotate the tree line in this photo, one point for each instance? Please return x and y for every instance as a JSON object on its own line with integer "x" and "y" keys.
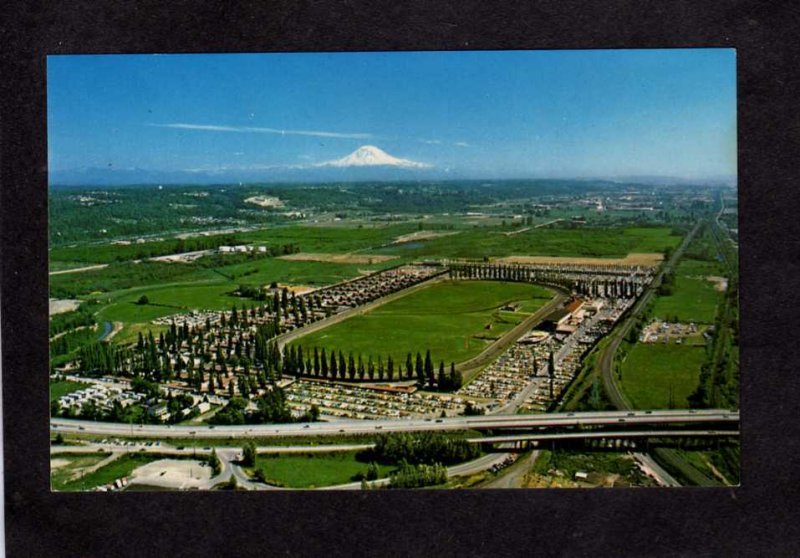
{"x": 418, "y": 448}
{"x": 335, "y": 366}
{"x": 417, "y": 476}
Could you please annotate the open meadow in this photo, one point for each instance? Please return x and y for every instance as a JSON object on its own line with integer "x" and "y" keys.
{"x": 454, "y": 320}
{"x": 315, "y": 469}
{"x": 661, "y": 376}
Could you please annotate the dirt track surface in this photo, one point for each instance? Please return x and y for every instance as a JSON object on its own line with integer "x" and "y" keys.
{"x": 632, "y": 259}
{"x": 338, "y": 258}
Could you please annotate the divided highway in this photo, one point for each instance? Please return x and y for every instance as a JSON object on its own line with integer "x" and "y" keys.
{"x": 620, "y": 419}
{"x": 607, "y": 356}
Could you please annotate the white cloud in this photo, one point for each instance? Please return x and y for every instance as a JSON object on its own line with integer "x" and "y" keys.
{"x": 259, "y": 130}
{"x": 462, "y": 144}
{"x": 430, "y": 141}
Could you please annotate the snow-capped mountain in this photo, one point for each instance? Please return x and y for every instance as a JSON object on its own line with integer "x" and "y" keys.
{"x": 365, "y": 163}
{"x": 371, "y": 156}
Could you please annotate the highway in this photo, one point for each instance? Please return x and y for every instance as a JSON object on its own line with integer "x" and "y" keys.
{"x": 192, "y": 451}
{"x": 598, "y": 435}
{"x": 462, "y": 469}
{"x": 349, "y": 427}
{"x": 652, "y": 468}
{"x": 606, "y": 357}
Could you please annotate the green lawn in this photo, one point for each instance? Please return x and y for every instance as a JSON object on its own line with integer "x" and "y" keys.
{"x": 119, "y": 468}
{"x": 651, "y": 370}
{"x": 62, "y": 388}
{"x": 59, "y": 478}
{"x": 213, "y": 291}
{"x": 594, "y": 242}
{"x": 329, "y": 239}
{"x": 694, "y": 298}
{"x": 308, "y": 239}
{"x": 449, "y": 318}
{"x": 314, "y": 469}
{"x": 164, "y": 301}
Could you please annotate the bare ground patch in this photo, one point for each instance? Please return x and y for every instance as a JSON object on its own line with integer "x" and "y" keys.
{"x": 265, "y": 201}
{"x": 177, "y": 473}
{"x": 61, "y": 306}
{"x": 338, "y": 258}
{"x": 720, "y": 283}
{"x": 421, "y": 235}
{"x": 632, "y": 259}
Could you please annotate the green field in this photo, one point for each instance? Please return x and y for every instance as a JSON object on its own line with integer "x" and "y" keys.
{"x": 62, "y": 388}
{"x": 314, "y": 469}
{"x": 59, "y": 477}
{"x": 589, "y": 242}
{"x": 212, "y": 290}
{"x": 308, "y": 239}
{"x": 449, "y": 318}
{"x": 694, "y": 298}
{"x": 650, "y": 370}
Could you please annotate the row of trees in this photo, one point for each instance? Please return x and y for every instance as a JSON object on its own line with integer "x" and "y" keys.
{"x": 318, "y": 364}
{"x": 417, "y": 448}
{"x": 415, "y": 476}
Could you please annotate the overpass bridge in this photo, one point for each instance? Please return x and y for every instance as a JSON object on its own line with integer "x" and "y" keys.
{"x": 607, "y": 440}
{"x": 529, "y": 425}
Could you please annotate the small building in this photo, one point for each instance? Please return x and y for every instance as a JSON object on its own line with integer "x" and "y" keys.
{"x": 158, "y": 410}
{"x": 555, "y": 319}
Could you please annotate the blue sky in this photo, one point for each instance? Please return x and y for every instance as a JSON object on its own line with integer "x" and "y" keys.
{"x": 486, "y": 114}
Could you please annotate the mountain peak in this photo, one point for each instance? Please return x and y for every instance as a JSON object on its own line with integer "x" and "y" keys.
{"x": 372, "y": 156}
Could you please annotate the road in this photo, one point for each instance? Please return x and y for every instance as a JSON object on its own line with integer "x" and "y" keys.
{"x": 78, "y": 269}
{"x": 184, "y": 451}
{"x": 604, "y": 434}
{"x": 650, "y": 467}
{"x": 488, "y": 422}
{"x": 463, "y": 469}
{"x": 514, "y": 476}
{"x": 606, "y": 356}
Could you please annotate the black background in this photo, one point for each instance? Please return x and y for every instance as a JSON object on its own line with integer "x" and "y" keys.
{"x": 755, "y": 519}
